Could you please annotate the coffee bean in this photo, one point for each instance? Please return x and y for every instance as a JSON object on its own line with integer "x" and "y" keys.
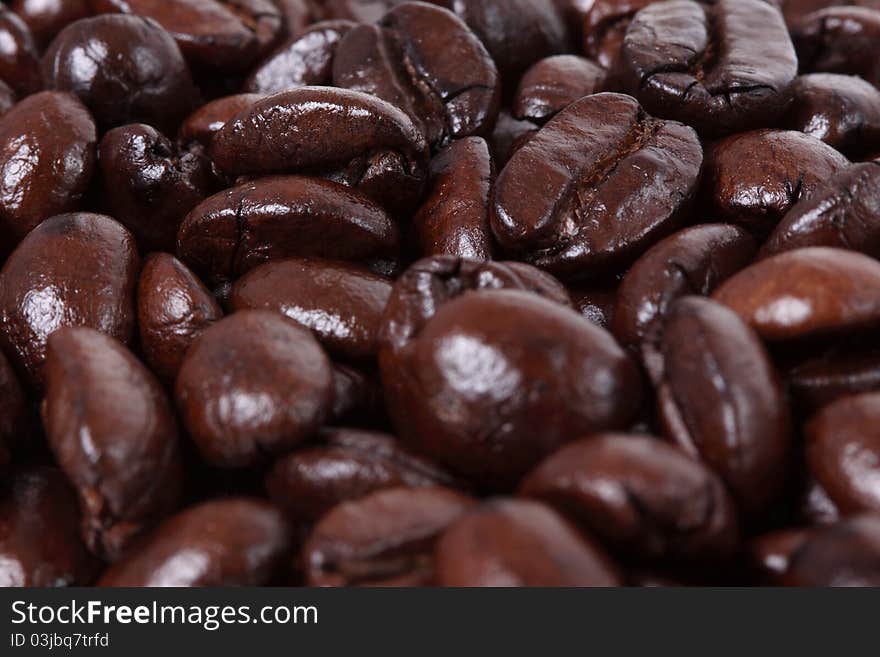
{"x": 553, "y": 84}
{"x": 7, "y": 98}
{"x": 840, "y": 40}
{"x": 844, "y": 554}
{"x": 605, "y": 25}
{"x": 205, "y": 122}
{"x": 46, "y": 18}
{"x": 770, "y": 554}
{"x": 19, "y": 61}
{"x": 508, "y": 137}
{"x": 595, "y": 303}
{"x": 819, "y": 380}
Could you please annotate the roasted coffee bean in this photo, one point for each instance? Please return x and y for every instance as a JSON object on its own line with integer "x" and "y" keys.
{"x": 843, "y": 554}
{"x": 819, "y": 380}
{"x": 39, "y": 531}
{"x": 508, "y": 542}
{"x": 340, "y": 303}
{"x": 605, "y": 24}
{"x": 173, "y": 308}
{"x": 454, "y": 218}
{"x": 692, "y": 261}
{"x": 553, "y": 84}
{"x": 205, "y": 122}
{"x": 295, "y": 14}
{"x": 350, "y": 136}
{"x": 508, "y": 137}
{"x": 721, "y": 68}
{"x": 842, "y": 211}
{"x": 770, "y": 554}
{"x": 13, "y": 410}
{"x": 757, "y": 192}
{"x": 806, "y": 293}
{"x": 841, "y": 110}
{"x": 843, "y": 452}
{"x": 228, "y": 542}
{"x": 217, "y": 35}
{"x": 46, "y": 18}
{"x": 149, "y": 184}
{"x": 720, "y": 400}
{"x": 125, "y": 69}
{"x": 304, "y": 59}
{"x": 278, "y": 217}
{"x": 521, "y": 375}
{"x": 639, "y": 494}
{"x": 596, "y": 303}
{"x": 252, "y": 385}
{"x": 47, "y": 157}
{"x": 795, "y": 10}
{"x": 347, "y": 465}
{"x": 357, "y": 397}
{"x": 7, "y": 98}
{"x": 595, "y": 187}
{"x": 840, "y": 40}
{"x": 113, "y": 432}
{"x": 427, "y": 62}
{"x": 384, "y": 539}
{"x": 19, "y": 61}
{"x": 359, "y": 11}
{"x": 815, "y": 507}
{"x": 72, "y": 270}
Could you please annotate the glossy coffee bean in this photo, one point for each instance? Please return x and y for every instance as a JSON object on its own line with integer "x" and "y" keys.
{"x": 454, "y": 218}
{"x": 47, "y": 157}
{"x": 217, "y": 35}
{"x": 226, "y": 542}
{"x": 770, "y": 554}
{"x": 604, "y": 26}
{"x": 19, "y": 61}
{"x": 149, "y": 184}
{"x": 842, "y": 211}
{"x": 843, "y": 452}
{"x": 513, "y": 404}
{"x": 207, "y": 120}
{"x": 841, "y": 110}
{"x": 757, "y": 193}
{"x": 383, "y": 539}
{"x": 13, "y": 410}
{"x": 639, "y": 494}
{"x": 39, "y": 531}
{"x": 113, "y": 432}
{"x": 840, "y": 40}
{"x": 595, "y": 303}
{"x": 720, "y": 400}
{"x": 553, "y": 84}
{"x": 350, "y": 136}
{"x": 427, "y": 62}
{"x": 722, "y": 67}
{"x": 815, "y": 507}
{"x": 692, "y": 261}
{"x": 509, "y": 542}
{"x": 508, "y": 137}
{"x": 821, "y": 379}
{"x": 134, "y": 74}
{"x": 595, "y": 187}
{"x": 806, "y": 293}
{"x": 173, "y": 308}
{"x": 48, "y": 283}
{"x": 46, "y": 18}
{"x": 304, "y": 59}
{"x": 843, "y": 554}
{"x": 340, "y": 303}
{"x": 251, "y": 385}
{"x": 279, "y": 217}
{"x": 795, "y": 10}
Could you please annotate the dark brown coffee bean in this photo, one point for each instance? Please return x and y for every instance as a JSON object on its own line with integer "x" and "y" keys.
{"x": 605, "y": 24}
{"x": 757, "y": 192}
{"x": 595, "y": 303}
{"x": 841, "y": 110}
{"x": 842, "y": 211}
{"x": 46, "y": 18}
{"x": 844, "y": 554}
{"x": 229, "y": 542}
{"x": 770, "y": 554}
{"x": 359, "y": 11}
{"x": 173, "y": 308}
{"x": 340, "y": 303}
{"x": 7, "y": 98}
{"x": 217, "y": 35}
{"x": 639, "y": 494}
{"x": 273, "y": 218}
{"x": 815, "y": 507}
{"x": 296, "y": 14}
{"x": 13, "y": 410}
{"x": 19, "y": 61}
{"x": 720, "y": 399}
{"x": 843, "y": 452}
{"x": 595, "y": 187}
{"x": 840, "y": 40}
{"x": 692, "y": 261}
{"x": 795, "y": 10}
{"x": 523, "y": 375}
{"x": 47, "y": 157}
{"x": 454, "y": 218}
{"x": 806, "y": 293}
{"x": 722, "y": 67}
{"x": 353, "y": 137}
{"x": 819, "y": 380}
{"x": 348, "y": 465}
{"x": 149, "y": 184}
{"x": 252, "y": 385}
{"x": 427, "y": 62}
{"x": 113, "y": 432}
{"x": 508, "y": 542}
{"x": 508, "y": 137}
{"x": 384, "y": 539}
{"x": 304, "y": 59}
{"x": 206, "y": 121}
{"x": 553, "y": 84}
{"x": 72, "y": 270}
{"x": 39, "y": 532}
{"x": 133, "y": 71}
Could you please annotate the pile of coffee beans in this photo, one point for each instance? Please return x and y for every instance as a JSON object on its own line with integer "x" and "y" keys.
{"x": 472, "y": 293}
